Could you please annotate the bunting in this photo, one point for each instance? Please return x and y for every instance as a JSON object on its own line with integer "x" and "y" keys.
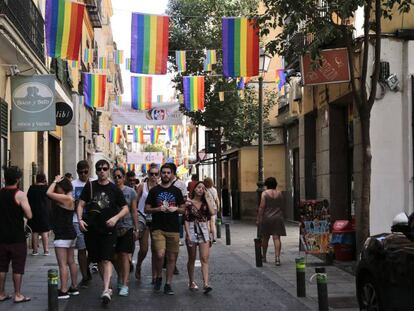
{"x": 149, "y": 43}
{"x": 118, "y": 100}
{"x": 180, "y": 60}
{"x": 154, "y": 134}
{"x": 159, "y": 99}
{"x": 128, "y": 63}
{"x": 115, "y": 135}
{"x": 280, "y": 79}
{"x": 141, "y": 93}
{"x": 63, "y": 27}
{"x": 172, "y": 132}
{"x": 102, "y": 63}
{"x": 193, "y": 93}
{"x": 94, "y": 88}
{"x": 210, "y": 60}
{"x": 88, "y": 56}
{"x": 131, "y": 167}
{"x": 138, "y": 135}
{"x": 240, "y": 47}
{"x": 118, "y": 57}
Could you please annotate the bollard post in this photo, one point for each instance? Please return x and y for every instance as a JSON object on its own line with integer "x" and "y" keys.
{"x": 52, "y": 290}
{"x": 300, "y": 277}
{"x": 321, "y": 281}
{"x": 258, "y": 252}
{"x": 218, "y": 228}
{"x": 228, "y": 239}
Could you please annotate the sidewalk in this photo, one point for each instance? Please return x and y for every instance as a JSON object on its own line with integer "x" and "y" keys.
{"x": 341, "y": 285}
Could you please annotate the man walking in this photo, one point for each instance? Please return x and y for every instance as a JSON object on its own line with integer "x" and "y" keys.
{"x": 82, "y": 169}
{"x": 105, "y": 206}
{"x": 165, "y": 202}
{"x": 13, "y": 208}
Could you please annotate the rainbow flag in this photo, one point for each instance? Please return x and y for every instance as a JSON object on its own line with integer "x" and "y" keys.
{"x": 63, "y": 26}
{"x": 81, "y": 100}
{"x": 180, "y": 60}
{"x": 240, "y": 47}
{"x": 193, "y": 93}
{"x": 102, "y": 63}
{"x": 172, "y": 132}
{"x": 210, "y": 60}
{"x": 127, "y": 63}
{"x": 149, "y": 43}
{"x": 115, "y": 135}
{"x": 145, "y": 168}
{"x": 119, "y": 57}
{"x": 88, "y": 56}
{"x": 141, "y": 93}
{"x": 154, "y": 134}
{"x": 131, "y": 167}
{"x": 280, "y": 78}
{"x": 207, "y": 67}
{"x": 73, "y": 64}
{"x": 94, "y": 88}
{"x": 159, "y": 99}
{"x": 138, "y": 135}
{"x": 118, "y": 100}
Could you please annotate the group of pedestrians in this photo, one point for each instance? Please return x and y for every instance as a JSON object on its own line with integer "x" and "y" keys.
{"x": 103, "y": 220}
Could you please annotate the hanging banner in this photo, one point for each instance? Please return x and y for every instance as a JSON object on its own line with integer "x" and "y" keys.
{"x": 33, "y": 103}
{"x": 145, "y": 157}
{"x": 167, "y": 114}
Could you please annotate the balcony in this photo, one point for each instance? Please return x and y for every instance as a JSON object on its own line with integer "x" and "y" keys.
{"x": 27, "y": 19}
{"x": 94, "y": 12}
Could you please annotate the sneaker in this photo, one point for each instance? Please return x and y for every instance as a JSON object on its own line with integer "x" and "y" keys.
{"x": 46, "y": 254}
{"x": 176, "y": 272}
{"x": 157, "y": 284}
{"x": 124, "y": 291}
{"x": 62, "y": 295}
{"x": 84, "y": 283}
{"x": 73, "y": 291}
{"x": 181, "y": 243}
{"x": 94, "y": 268}
{"x": 106, "y": 297}
{"x": 168, "y": 290}
{"x": 35, "y": 254}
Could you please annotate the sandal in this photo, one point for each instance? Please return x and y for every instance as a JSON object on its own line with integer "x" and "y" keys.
{"x": 207, "y": 289}
{"x": 7, "y": 297}
{"x": 25, "y": 299}
{"x": 277, "y": 261}
{"x": 193, "y": 286}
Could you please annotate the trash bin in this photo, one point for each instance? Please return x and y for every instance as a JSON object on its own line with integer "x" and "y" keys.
{"x": 343, "y": 240}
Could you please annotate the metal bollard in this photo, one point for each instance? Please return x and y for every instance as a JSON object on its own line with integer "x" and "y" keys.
{"x": 321, "y": 281}
{"x": 300, "y": 277}
{"x": 258, "y": 252}
{"x": 52, "y": 290}
{"x": 228, "y": 239}
{"x": 218, "y": 228}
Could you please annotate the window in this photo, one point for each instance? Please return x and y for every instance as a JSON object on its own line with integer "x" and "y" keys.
{"x": 4, "y": 125}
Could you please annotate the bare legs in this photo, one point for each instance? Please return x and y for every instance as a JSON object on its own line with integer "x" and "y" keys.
{"x": 65, "y": 258}
{"x": 105, "y": 269}
{"x": 192, "y": 254}
{"x": 204, "y": 249}
{"x": 171, "y": 262}
{"x": 265, "y": 243}
{"x": 277, "y": 243}
{"x": 122, "y": 267}
{"x": 45, "y": 242}
{"x": 142, "y": 253}
{"x": 213, "y": 226}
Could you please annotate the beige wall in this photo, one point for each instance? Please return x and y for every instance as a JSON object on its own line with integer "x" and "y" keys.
{"x": 274, "y": 165}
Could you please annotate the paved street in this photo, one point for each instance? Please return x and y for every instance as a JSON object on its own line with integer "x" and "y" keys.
{"x": 236, "y": 283}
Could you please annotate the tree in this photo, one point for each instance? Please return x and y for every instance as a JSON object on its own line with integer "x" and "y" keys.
{"x": 329, "y": 24}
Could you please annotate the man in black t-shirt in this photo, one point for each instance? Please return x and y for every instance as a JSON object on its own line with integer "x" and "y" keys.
{"x": 165, "y": 202}
{"x": 100, "y": 233}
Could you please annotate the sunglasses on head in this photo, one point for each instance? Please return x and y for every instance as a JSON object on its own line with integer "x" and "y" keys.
{"x": 83, "y": 172}
{"x": 152, "y": 174}
{"x": 118, "y": 176}
{"x": 102, "y": 168}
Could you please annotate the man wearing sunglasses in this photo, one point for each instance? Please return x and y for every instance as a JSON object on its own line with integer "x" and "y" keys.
{"x": 82, "y": 169}
{"x": 106, "y": 206}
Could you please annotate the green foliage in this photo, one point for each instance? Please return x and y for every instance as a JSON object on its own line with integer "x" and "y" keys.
{"x": 154, "y": 148}
{"x": 194, "y": 26}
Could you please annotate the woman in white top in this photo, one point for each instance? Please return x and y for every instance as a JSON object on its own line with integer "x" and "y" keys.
{"x": 208, "y": 182}
{"x": 145, "y": 220}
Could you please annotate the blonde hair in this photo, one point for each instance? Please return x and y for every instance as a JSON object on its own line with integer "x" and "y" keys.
{"x": 208, "y": 182}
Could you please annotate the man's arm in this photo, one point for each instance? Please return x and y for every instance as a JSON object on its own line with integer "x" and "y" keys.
{"x": 150, "y": 210}
{"x": 111, "y": 222}
{"x": 21, "y": 198}
{"x": 79, "y": 212}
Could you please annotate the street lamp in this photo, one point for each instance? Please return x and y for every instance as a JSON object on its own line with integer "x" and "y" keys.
{"x": 168, "y": 146}
{"x": 264, "y": 62}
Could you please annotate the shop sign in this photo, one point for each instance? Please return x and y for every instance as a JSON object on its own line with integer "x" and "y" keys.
{"x": 210, "y": 142}
{"x": 64, "y": 113}
{"x": 333, "y": 68}
{"x": 33, "y": 103}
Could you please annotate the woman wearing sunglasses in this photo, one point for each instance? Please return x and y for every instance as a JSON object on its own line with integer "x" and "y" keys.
{"x": 197, "y": 217}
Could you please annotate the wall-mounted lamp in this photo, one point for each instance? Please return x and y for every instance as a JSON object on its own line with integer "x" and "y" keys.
{"x": 14, "y": 70}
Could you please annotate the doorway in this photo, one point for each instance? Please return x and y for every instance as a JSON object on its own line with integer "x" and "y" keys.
{"x": 54, "y": 157}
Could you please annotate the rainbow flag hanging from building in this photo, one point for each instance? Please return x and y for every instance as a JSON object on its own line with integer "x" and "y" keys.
{"x": 280, "y": 78}
{"x": 141, "y": 93}
{"x": 138, "y": 135}
{"x": 172, "y": 132}
{"x": 149, "y": 43}
{"x": 180, "y": 60}
{"x": 88, "y": 56}
{"x": 127, "y": 63}
{"x": 210, "y": 60}
{"x": 240, "y": 47}
{"x": 94, "y": 89}
{"x": 103, "y": 64}
{"x": 115, "y": 135}
{"x": 118, "y": 100}
{"x": 154, "y": 134}
{"x": 119, "y": 57}
{"x": 193, "y": 93}
{"x": 160, "y": 99}
{"x": 73, "y": 64}
{"x": 63, "y": 27}
{"x": 131, "y": 167}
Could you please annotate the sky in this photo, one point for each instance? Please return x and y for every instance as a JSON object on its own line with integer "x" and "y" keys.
{"x": 121, "y": 29}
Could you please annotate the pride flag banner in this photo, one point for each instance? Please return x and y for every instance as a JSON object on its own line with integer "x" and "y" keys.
{"x": 160, "y": 99}
{"x": 115, "y": 135}
{"x": 63, "y": 27}
{"x": 103, "y": 64}
{"x": 280, "y": 78}
{"x": 193, "y": 93}
{"x": 210, "y": 60}
{"x": 131, "y": 167}
{"x": 128, "y": 63}
{"x": 118, "y": 100}
{"x": 154, "y": 135}
{"x": 94, "y": 89}
{"x": 119, "y": 57}
{"x": 149, "y": 43}
{"x": 138, "y": 135}
{"x": 180, "y": 60}
{"x": 141, "y": 93}
{"x": 88, "y": 56}
{"x": 73, "y": 64}
{"x": 172, "y": 132}
{"x": 240, "y": 47}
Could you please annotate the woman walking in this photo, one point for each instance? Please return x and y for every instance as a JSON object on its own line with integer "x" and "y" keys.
{"x": 270, "y": 218}
{"x": 40, "y": 205}
{"x": 60, "y": 191}
{"x": 208, "y": 182}
{"x": 198, "y": 228}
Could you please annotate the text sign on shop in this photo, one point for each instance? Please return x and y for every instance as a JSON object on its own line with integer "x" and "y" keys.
{"x": 144, "y": 157}
{"x": 33, "y": 103}
{"x": 64, "y": 113}
{"x": 333, "y": 68}
{"x": 166, "y": 114}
